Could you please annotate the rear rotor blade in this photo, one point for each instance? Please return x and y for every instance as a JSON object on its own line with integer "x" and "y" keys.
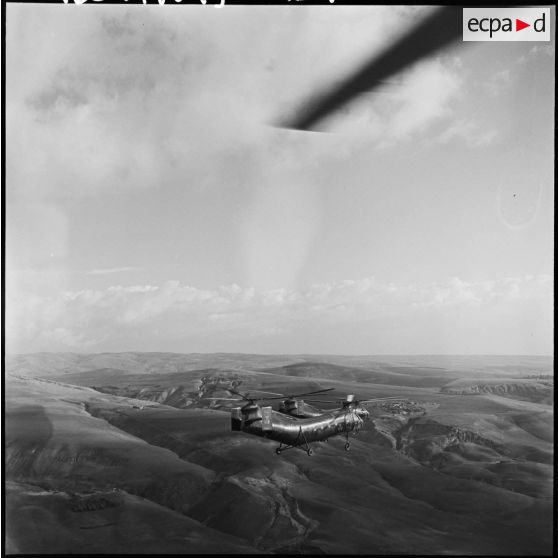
{"x": 439, "y": 29}
{"x": 270, "y": 398}
{"x": 219, "y": 399}
{"x": 384, "y": 399}
{"x": 246, "y": 396}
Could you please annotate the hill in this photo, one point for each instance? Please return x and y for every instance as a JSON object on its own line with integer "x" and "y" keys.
{"x": 146, "y": 463}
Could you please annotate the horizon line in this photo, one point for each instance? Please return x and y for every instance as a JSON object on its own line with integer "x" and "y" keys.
{"x": 551, "y": 355}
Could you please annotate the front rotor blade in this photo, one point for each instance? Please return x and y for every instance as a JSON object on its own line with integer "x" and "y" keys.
{"x": 240, "y": 394}
{"x": 248, "y": 398}
{"x": 311, "y": 393}
{"x": 439, "y": 29}
{"x": 270, "y": 392}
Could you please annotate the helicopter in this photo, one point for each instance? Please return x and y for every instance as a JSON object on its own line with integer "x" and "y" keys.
{"x": 296, "y": 424}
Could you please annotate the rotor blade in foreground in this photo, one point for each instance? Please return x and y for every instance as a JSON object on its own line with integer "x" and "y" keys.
{"x": 439, "y": 29}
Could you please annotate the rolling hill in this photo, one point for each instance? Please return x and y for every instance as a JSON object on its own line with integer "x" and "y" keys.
{"x": 144, "y": 463}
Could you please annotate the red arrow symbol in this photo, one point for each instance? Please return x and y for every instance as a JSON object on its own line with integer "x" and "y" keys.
{"x": 519, "y": 25}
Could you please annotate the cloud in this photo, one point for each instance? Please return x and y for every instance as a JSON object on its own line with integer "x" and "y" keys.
{"x": 546, "y": 50}
{"x": 118, "y": 114}
{"x": 470, "y": 132}
{"x": 175, "y": 315}
{"x": 425, "y": 96}
{"x": 174, "y": 101}
{"x": 145, "y": 100}
{"x": 111, "y": 270}
{"x": 500, "y": 82}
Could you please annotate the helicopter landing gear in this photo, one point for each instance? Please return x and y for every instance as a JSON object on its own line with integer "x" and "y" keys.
{"x": 347, "y": 443}
{"x": 297, "y": 444}
{"x": 282, "y": 448}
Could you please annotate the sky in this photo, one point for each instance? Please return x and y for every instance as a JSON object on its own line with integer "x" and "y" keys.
{"x": 151, "y": 205}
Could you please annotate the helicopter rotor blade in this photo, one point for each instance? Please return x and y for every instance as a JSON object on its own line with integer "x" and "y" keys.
{"x": 439, "y": 29}
{"x": 271, "y": 398}
{"x": 246, "y": 396}
{"x": 383, "y": 399}
{"x": 310, "y": 393}
{"x": 219, "y": 399}
{"x": 319, "y": 401}
{"x": 358, "y": 401}
{"x": 240, "y": 394}
{"x": 262, "y": 391}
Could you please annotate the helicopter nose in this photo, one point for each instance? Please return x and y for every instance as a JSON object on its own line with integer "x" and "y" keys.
{"x": 363, "y": 413}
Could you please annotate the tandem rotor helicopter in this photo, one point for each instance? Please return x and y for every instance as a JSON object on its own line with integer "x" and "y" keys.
{"x": 296, "y": 424}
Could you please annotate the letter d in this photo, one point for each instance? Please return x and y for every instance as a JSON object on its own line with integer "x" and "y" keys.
{"x": 540, "y": 20}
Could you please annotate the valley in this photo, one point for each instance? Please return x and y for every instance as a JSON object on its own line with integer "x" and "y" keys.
{"x": 121, "y": 458}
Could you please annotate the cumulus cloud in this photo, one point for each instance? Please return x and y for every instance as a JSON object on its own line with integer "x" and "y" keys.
{"x": 176, "y": 315}
{"x": 473, "y": 134}
{"x": 111, "y": 270}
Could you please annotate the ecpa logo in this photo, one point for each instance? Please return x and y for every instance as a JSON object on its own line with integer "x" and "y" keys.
{"x": 506, "y": 24}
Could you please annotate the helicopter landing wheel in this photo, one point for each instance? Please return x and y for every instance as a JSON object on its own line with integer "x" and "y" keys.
{"x": 278, "y": 451}
{"x": 347, "y": 446}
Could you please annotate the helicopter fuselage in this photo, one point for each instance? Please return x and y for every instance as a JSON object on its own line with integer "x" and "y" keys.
{"x": 295, "y": 432}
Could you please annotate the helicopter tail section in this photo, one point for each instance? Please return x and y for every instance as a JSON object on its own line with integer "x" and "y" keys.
{"x": 241, "y": 416}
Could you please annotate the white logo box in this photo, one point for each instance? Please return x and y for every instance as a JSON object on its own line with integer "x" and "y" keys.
{"x": 499, "y": 24}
